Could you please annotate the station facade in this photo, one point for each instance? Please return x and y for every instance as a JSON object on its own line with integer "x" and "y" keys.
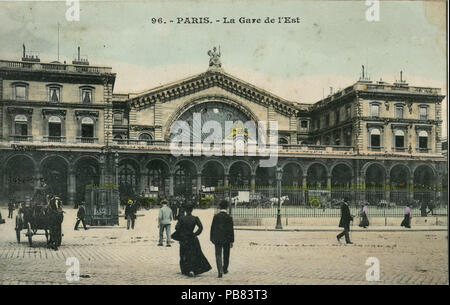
{"x": 64, "y": 124}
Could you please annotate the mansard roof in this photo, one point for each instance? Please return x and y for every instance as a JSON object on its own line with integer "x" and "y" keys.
{"x": 211, "y": 78}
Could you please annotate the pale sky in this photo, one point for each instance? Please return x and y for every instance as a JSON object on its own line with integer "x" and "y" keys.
{"x": 299, "y": 62}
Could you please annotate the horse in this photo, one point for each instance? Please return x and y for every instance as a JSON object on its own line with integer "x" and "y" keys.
{"x": 275, "y": 200}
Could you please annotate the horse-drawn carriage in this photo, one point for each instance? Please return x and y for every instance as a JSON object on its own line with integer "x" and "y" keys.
{"x": 41, "y": 212}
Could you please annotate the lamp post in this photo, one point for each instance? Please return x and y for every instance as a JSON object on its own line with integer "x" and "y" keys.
{"x": 279, "y": 175}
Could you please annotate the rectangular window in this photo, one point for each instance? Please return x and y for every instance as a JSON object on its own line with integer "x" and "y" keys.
{"x": 399, "y": 112}
{"x": 336, "y": 116}
{"x": 86, "y": 96}
{"x": 304, "y": 124}
{"x": 423, "y": 113}
{"x": 318, "y": 123}
{"x": 327, "y": 120}
{"x": 20, "y": 92}
{"x": 423, "y": 142}
{"x": 54, "y": 129}
{"x": 54, "y": 94}
{"x": 87, "y": 130}
{"x": 348, "y": 112}
{"x": 375, "y": 140}
{"x": 399, "y": 141}
{"x": 374, "y": 110}
{"x": 117, "y": 119}
{"x": 21, "y": 129}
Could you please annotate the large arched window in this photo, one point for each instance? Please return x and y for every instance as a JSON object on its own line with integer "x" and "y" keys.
{"x": 54, "y": 127}
{"x": 423, "y": 140}
{"x": 375, "y": 138}
{"x": 21, "y": 125}
{"x": 145, "y": 137}
{"x": 87, "y": 127}
{"x": 399, "y": 139}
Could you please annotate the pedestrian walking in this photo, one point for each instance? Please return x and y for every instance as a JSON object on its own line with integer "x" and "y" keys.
{"x": 344, "y": 222}
{"x": 407, "y": 219}
{"x": 10, "y": 208}
{"x": 192, "y": 260}
{"x": 222, "y": 236}
{"x": 363, "y": 214}
{"x": 164, "y": 219}
{"x": 130, "y": 214}
{"x": 81, "y": 214}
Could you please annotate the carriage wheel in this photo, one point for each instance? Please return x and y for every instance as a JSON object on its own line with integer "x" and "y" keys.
{"x": 29, "y": 234}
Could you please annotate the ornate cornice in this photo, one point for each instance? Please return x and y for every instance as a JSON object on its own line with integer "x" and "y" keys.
{"x": 86, "y": 113}
{"x": 57, "y": 112}
{"x": 19, "y": 110}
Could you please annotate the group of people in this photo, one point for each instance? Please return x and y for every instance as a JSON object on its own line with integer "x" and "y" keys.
{"x": 346, "y": 218}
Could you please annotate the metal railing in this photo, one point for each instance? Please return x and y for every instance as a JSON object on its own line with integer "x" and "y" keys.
{"x": 261, "y": 202}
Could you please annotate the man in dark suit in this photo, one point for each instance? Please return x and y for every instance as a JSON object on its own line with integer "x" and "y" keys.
{"x": 346, "y": 217}
{"x": 81, "y": 214}
{"x": 222, "y": 236}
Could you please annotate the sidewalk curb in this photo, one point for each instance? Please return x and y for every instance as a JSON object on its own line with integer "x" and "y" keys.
{"x": 338, "y": 230}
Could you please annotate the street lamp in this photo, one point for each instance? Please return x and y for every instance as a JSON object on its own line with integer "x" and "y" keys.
{"x": 279, "y": 175}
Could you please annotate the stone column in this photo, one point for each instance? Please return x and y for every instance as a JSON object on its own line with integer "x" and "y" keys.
{"x": 387, "y": 188}
{"x": 199, "y": 182}
{"x": 71, "y": 187}
{"x": 304, "y": 187}
{"x": 226, "y": 180}
{"x": 171, "y": 192}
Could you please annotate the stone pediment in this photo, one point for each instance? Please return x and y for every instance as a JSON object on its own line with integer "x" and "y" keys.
{"x": 213, "y": 78}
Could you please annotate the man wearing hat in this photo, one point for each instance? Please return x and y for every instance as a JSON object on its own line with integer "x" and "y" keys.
{"x": 80, "y": 216}
{"x": 164, "y": 218}
{"x": 130, "y": 214}
{"x": 222, "y": 236}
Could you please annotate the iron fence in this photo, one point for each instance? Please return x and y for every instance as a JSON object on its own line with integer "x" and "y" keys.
{"x": 262, "y": 202}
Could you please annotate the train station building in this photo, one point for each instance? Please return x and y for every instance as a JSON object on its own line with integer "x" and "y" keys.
{"x": 63, "y": 124}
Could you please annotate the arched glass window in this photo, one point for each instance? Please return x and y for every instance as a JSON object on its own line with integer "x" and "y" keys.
{"x": 21, "y": 125}
{"x": 423, "y": 139}
{"x": 399, "y": 138}
{"x": 87, "y": 127}
{"x": 375, "y": 138}
{"x": 54, "y": 126}
{"x": 145, "y": 137}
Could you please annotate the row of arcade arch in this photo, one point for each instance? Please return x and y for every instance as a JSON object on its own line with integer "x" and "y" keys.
{"x": 20, "y": 174}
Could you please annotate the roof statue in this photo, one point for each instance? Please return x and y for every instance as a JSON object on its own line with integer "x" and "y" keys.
{"x": 214, "y": 58}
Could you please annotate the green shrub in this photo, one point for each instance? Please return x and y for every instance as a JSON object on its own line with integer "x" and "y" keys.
{"x": 206, "y": 202}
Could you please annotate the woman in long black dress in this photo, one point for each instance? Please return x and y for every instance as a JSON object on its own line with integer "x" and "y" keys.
{"x": 192, "y": 260}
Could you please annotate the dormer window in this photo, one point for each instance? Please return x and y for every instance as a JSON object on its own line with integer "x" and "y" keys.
{"x": 20, "y": 91}
{"x": 86, "y": 95}
{"x": 54, "y": 93}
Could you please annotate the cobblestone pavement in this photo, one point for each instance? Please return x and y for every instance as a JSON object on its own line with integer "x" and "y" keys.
{"x": 115, "y": 255}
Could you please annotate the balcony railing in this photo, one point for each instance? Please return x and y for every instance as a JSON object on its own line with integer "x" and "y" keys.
{"x": 87, "y": 139}
{"x": 55, "y": 139}
{"x": 376, "y": 148}
{"x": 20, "y": 138}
